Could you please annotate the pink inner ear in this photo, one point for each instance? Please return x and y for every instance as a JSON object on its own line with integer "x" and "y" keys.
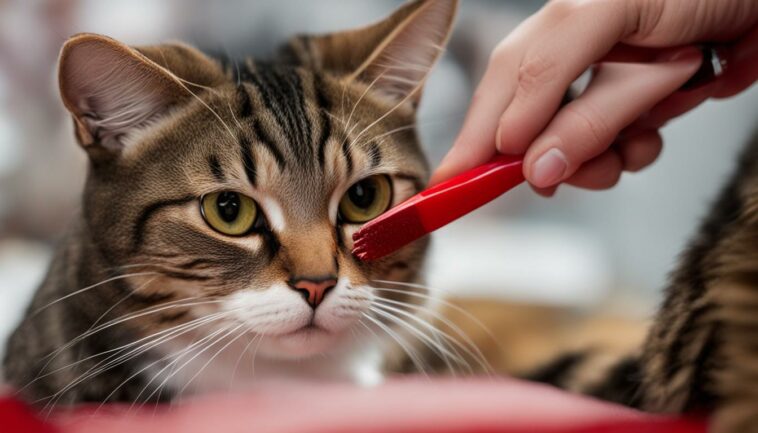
{"x": 402, "y": 63}
{"x": 111, "y": 90}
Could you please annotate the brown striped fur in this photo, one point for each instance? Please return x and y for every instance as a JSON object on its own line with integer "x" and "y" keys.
{"x": 297, "y": 128}
{"x": 165, "y": 125}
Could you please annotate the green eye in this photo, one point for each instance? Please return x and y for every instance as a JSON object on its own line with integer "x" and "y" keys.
{"x": 366, "y": 200}
{"x": 228, "y": 212}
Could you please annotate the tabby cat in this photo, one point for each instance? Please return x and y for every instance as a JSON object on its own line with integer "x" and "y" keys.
{"x": 216, "y": 225}
{"x": 218, "y": 212}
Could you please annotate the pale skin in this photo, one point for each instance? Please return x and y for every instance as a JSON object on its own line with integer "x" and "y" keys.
{"x": 641, "y": 52}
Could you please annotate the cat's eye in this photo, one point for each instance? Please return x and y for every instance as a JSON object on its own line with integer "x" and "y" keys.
{"x": 229, "y": 212}
{"x": 366, "y": 199}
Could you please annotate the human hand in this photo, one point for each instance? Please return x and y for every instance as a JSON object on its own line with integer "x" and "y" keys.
{"x": 642, "y": 53}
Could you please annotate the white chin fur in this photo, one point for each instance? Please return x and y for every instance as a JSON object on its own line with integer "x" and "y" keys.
{"x": 289, "y": 327}
{"x": 283, "y": 343}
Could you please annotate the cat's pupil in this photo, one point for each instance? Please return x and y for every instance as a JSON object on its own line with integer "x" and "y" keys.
{"x": 362, "y": 194}
{"x": 228, "y": 205}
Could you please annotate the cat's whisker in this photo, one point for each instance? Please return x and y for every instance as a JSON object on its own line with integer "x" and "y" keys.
{"x": 211, "y": 110}
{"x": 50, "y": 357}
{"x": 42, "y": 375}
{"x": 460, "y": 340}
{"x": 97, "y": 369}
{"x": 435, "y": 299}
{"x": 131, "y": 316}
{"x": 174, "y": 365}
{"x": 226, "y": 331}
{"x": 436, "y": 347}
{"x": 170, "y": 333}
{"x": 242, "y": 354}
{"x": 184, "y": 84}
{"x": 154, "y": 344}
{"x": 116, "y": 304}
{"x": 229, "y": 330}
{"x": 451, "y": 341}
{"x": 476, "y": 355}
{"x": 411, "y": 126}
{"x": 210, "y": 337}
{"x": 208, "y": 362}
{"x": 80, "y": 291}
{"x": 404, "y": 100}
{"x": 348, "y": 127}
{"x": 129, "y": 266}
{"x": 417, "y": 362}
{"x": 255, "y": 352}
{"x": 120, "y": 359}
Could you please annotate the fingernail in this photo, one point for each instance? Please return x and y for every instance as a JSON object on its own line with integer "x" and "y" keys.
{"x": 549, "y": 168}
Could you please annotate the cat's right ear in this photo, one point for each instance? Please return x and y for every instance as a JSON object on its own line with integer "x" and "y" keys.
{"x": 112, "y": 89}
{"x": 393, "y": 55}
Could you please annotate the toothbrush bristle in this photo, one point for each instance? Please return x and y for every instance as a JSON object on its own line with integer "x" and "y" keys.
{"x": 383, "y": 236}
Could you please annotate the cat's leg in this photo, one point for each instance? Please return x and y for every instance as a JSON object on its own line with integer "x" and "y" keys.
{"x": 707, "y": 359}
{"x": 735, "y": 378}
{"x": 702, "y": 353}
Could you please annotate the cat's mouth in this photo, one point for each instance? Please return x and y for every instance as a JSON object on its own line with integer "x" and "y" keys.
{"x": 310, "y": 329}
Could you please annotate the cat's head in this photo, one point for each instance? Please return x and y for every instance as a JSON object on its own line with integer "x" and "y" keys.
{"x": 237, "y": 186}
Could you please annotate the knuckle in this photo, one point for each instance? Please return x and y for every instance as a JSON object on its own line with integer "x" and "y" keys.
{"x": 647, "y": 18}
{"x": 594, "y": 130}
{"x": 559, "y": 9}
{"x": 536, "y": 71}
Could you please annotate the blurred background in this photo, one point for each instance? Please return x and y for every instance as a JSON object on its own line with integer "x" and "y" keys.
{"x": 581, "y": 249}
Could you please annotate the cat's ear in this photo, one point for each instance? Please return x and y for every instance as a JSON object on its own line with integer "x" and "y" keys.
{"x": 396, "y": 54}
{"x": 112, "y": 89}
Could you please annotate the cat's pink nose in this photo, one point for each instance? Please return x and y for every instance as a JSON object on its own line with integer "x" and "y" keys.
{"x": 314, "y": 290}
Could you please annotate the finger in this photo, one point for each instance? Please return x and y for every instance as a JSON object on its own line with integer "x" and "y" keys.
{"x": 476, "y": 142}
{"x": 673, "y": 106}
{"x": 553, "y": 60}
{"x": 545, "y": 192}
{"x": 602, "y": 172}
{"x": 742, "y": 71}
{"x": 616, "y": 97}
{"x": 640, "y": 150}
{"x": 558, "y": 56}
{"x": 661, "y": 23}
{"x": 623, "y": 53}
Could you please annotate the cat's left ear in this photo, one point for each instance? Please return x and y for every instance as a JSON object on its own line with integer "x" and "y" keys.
{"x": 394, "y": 55}
{"x": 112, "y": 89}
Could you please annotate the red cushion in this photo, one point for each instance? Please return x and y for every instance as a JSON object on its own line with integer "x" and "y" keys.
{"x": 411, "y": 405}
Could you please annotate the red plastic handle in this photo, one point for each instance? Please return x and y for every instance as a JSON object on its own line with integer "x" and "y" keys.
{"x": 461, "y": 194}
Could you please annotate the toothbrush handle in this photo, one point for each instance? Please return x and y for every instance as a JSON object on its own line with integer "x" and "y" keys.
{"x": 468, "y": 191}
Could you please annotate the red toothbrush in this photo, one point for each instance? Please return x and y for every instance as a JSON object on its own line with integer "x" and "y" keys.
{"x": 437, "y": 206}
